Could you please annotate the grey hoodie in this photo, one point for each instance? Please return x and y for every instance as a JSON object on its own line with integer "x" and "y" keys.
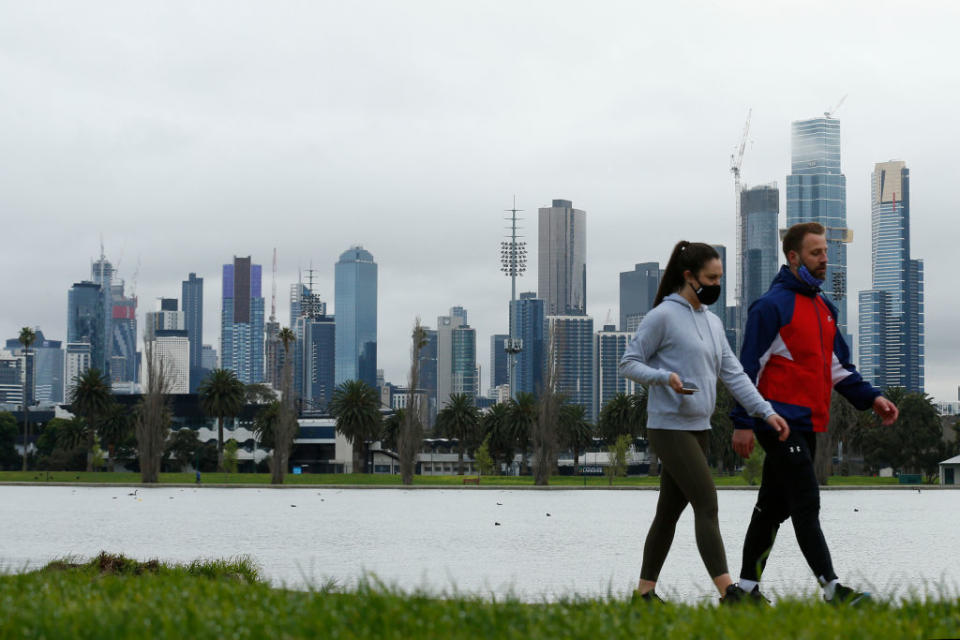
{"x": 676, "y": 338}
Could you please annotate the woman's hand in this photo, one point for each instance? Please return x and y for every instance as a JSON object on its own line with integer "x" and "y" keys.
{"x": 677, "y": 385}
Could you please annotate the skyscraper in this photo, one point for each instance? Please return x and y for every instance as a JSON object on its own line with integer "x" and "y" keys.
{"x": 191, "y": 297}
{"x": 85, "y": 322}
{"x": 817, "y": 192}
{"x": 608, "y": 348}
{"x": 102, "y": 273}
{"x": 428, "y": 374}
{"x": 759, "y": 232}
{"x": 241, "y": 321}
{"x": 166, "y": 318}
{"x": 445, "y": 327}
{"x": 13, "y": 373}
{"x": 562, "y": 259}
{"x": 463, "y": 352}
{"x": 47, "y": 370}
{"x": 498, "y": 361}
{"x": 719, "y": 308}
{"x": 570, "y": 342}
{"x": 891, "y": 313}
{"x": 170, "y": 349}
{"x": 77, "y": 361}
{"x": 314, "y": 349}
{"x": 527, "y": 320}
{"x": 638, "y": 289}
{"x": 355, "y": 308}
{"x": 123, "y": 359}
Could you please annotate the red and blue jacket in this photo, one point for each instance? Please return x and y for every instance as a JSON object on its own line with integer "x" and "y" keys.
{"x": 795, "y": 355}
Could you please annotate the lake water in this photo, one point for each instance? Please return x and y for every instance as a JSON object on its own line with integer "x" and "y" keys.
{"x": 590, "y": 544}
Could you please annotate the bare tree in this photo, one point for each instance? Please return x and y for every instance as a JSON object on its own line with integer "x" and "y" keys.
{"x": 411, "y": 429}
{"x": 544, "y": 436}
{"x": 153, "y": 417}
{"x": 285, "y": 430}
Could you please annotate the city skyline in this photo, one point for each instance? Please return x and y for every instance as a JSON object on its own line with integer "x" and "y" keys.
{"x": 156, "y": 168}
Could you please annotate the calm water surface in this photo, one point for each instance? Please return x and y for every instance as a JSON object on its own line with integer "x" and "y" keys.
{"x": 590, "y": 544}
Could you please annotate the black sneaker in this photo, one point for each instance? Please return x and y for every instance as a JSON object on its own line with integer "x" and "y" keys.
{"x": 758, "y": 598}
{"x": 846, "y": 596}
{"x": 734, "y": 595}
{"x": 649, "y": 596}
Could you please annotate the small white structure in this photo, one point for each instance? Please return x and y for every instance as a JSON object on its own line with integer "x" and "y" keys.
{"x": 950, "y": 471}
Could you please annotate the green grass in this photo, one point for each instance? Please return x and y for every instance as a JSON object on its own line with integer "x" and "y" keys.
{"x": 125, "y": 599}
{"x": 372, "y": 479}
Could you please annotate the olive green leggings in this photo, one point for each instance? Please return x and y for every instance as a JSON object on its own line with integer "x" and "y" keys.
{"x": 684, "y": 478}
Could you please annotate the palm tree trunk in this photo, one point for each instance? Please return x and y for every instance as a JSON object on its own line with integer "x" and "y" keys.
{"x": 357, "y": 455}
{"x": 460, "y": 459}
{"x": 220, "y": 443}
{"x": 576, "y": 460}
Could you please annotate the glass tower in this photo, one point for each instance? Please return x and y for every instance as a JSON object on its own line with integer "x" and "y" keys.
{"x": 609, "y": 348}
{"x": 527, "y": 323}
{"x": 192, "y": 298}
{"x": 817, "y": 192}
{"x": 891, "y": 313}
{"x": 499, "y": 373}
{"x": 85, "y": 321}
{"x": 355, "y": 309}
{"x": 638, "y": 289}
{"x": 242, "y": 321}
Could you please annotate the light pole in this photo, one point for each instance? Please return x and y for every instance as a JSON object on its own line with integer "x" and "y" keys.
{"x": 513, "y": 263}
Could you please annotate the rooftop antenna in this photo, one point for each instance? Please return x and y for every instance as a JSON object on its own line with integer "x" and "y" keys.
{"x": 513, "y": 263}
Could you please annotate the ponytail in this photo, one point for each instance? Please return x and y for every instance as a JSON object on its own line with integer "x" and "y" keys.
{"x": 686, "y": 256}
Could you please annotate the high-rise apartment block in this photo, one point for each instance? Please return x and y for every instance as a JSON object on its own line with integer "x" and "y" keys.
{"x": 191, "y": 297}
{"x": 527, "y": 323}
{"x": 569, "y": 346}
{"x": 609, "y": 347}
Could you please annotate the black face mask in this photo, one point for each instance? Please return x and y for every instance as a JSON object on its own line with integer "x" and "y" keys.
{"x": 707, "y": 293}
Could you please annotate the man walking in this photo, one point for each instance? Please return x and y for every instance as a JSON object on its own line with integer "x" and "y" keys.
{"x": 796, "y": 356}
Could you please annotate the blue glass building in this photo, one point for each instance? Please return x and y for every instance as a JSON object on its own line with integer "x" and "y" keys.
{"x": 192, "y": 303}
{"x": 891, "y": 313}
{"x": 242, "y": 321}
{"x": 817, "y": 192}
{"x": 499, "y": 373}
{"x": 759, "y": 233}
{"x": 638, "y": 289}
{"x": 609, "y": 348}
{"x": 355, "y": 308}
{"x": 86, "y": 322}
{"x": 46, "y": 371}
{"x": 123, "y": 359}
{"x": 527, "y": 316}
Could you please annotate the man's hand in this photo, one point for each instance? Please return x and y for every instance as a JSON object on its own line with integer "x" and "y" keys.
{"x": 887, "y": 411}
{"x": 743, "y": 442}
{"x": 677, "y": 385}
{"x": 780, "y": 426}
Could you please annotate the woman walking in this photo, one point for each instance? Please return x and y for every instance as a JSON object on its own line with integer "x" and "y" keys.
{"x": 679, "y": 351}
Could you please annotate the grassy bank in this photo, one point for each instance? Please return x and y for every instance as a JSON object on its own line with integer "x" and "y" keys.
{"x": 112, "y": 597}
{"x": 371, "y": 479}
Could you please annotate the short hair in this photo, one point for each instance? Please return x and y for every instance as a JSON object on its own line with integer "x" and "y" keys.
{"x": 793, "y": 238}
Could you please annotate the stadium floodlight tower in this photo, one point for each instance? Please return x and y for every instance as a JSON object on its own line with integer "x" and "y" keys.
{"x": 513, "y": 263}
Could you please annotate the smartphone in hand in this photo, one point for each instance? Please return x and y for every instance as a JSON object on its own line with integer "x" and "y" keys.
{"x": 689, "y": 387}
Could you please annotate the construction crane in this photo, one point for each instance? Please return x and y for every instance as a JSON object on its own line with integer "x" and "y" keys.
{"x": 829, "y": 112}
{"x": 736, "y": 161}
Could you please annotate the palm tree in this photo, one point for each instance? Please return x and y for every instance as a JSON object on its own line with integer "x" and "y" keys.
{"x": 222, "y": 396}
{"x": 459, "y": 419}
{"x": 521, "y": 418}
{"x": 495, "y": 424}
{"x": 115, "y": 429}
{"x": 576, "y": 432}
{"x": 27, "y": 338}
{"x": 621, "y": 415}
{"x": 356, "y": 406}
{"x": 92, "y": 399}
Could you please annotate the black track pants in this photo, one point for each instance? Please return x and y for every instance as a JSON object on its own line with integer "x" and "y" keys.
{"x": 789, "y": 489}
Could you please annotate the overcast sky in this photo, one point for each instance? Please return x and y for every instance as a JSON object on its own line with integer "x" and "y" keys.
{"x": 186, "y": 133}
